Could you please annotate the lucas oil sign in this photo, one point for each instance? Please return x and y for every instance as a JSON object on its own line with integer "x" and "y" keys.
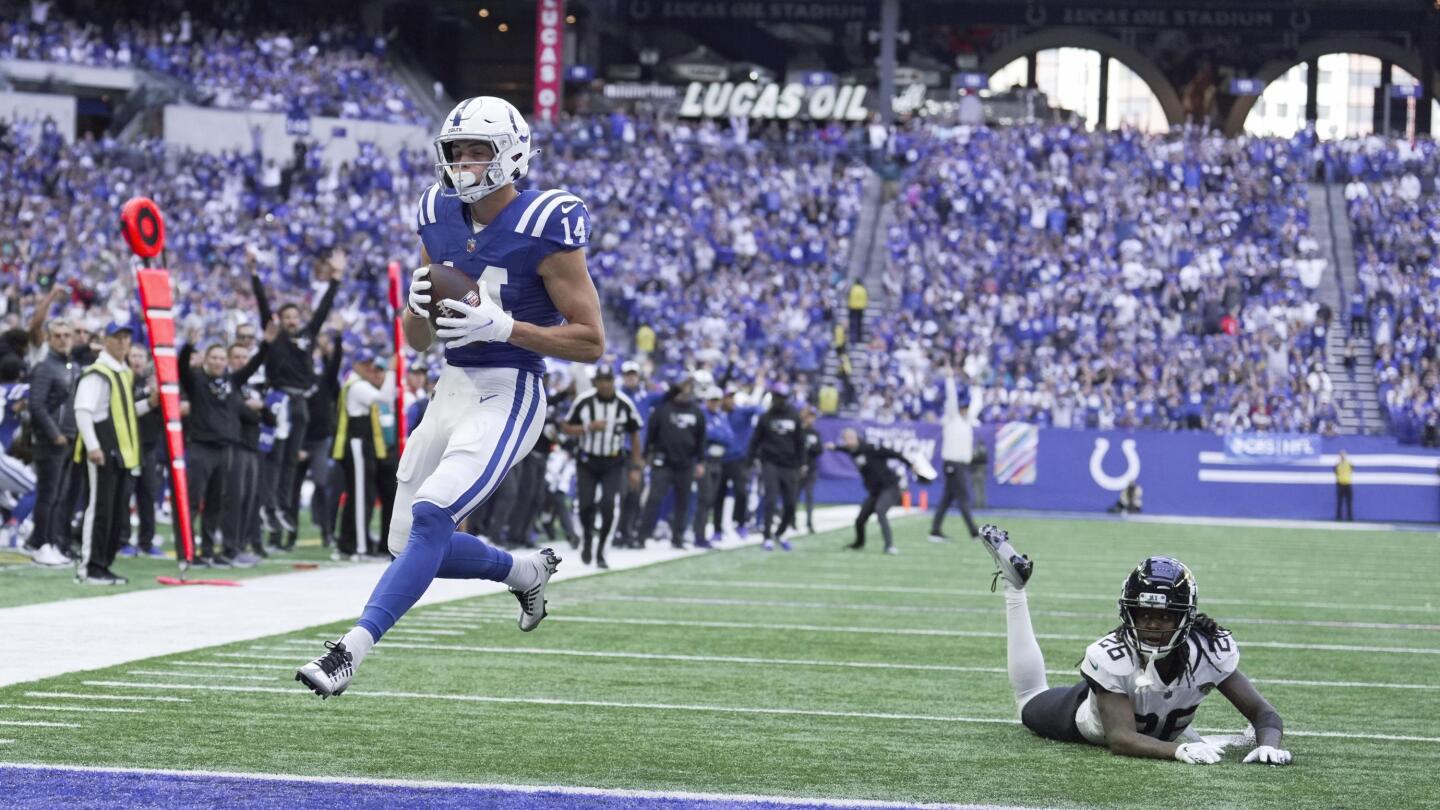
{"x": 752, "y": 100}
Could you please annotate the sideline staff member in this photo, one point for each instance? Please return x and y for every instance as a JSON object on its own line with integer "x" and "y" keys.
{"x": 106, "y": 416}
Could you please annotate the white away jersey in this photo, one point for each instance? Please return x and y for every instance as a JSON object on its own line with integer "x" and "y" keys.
{"x": 1162, "y": 710}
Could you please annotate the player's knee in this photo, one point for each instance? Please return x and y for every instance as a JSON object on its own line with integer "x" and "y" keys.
{"x": 430, "y": 524}
{"x": 399, "y": 532}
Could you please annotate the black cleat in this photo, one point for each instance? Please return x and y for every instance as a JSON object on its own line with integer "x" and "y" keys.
{"x": 329, "y": 674}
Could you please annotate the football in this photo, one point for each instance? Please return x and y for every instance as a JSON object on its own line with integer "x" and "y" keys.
{"x": 448, "y": 283}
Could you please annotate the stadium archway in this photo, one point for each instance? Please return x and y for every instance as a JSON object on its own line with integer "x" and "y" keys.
{"x": 1309, "y": 55}
{"x": 1063, "y": 38}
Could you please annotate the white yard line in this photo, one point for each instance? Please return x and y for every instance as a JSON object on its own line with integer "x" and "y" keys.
{"x": 134, "y": 626}
{"x": 78, "y": 696}
{"x": 226, "y": 664}
{"x": 38, "y": 724}
{"x": 83, "y": 709}
{"x": 939, "y": 609}
{"x": 426, "y": 630}
{"x": 276, "y": 657}
{"x": 161, "y": 673}
{"x": 1038, "y": 593}
{"x": 916, "y": 631}
{"x": 804, "y": 662}
{"x": 565, "y": 790}
{"x": 680, "y": 707}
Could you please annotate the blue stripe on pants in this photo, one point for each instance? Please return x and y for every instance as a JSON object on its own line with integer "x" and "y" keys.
{"x": 455, "y": 509}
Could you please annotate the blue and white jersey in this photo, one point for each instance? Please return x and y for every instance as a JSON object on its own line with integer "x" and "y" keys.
{"x": 506, "y": 255}
{"x": 10, "y": 421}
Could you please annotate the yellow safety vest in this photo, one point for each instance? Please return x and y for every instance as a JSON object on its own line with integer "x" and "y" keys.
{"x": 859, "y": 299}
{"x": 342, "y": 429}
{"x": 645, "y": 340}
{"x": 829, "y": 400}
{"x": 122, "y": 415}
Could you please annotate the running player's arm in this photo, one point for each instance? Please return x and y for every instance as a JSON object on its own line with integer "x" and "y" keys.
{"x": 1120, "y": 735}
{"x": 1248, "y": 701}
{"x": 582, "y": 337}
{"x": 418, "y": 331}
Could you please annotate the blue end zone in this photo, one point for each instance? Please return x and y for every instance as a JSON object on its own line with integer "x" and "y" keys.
{"x": 50, "y": 788}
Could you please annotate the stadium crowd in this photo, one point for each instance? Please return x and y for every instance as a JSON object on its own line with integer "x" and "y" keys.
{"x": 333, "y": 70}
{"x": 1391, "y": 195}
{"x": 1105, "y": 279}
{"x": 1189, "y": 303}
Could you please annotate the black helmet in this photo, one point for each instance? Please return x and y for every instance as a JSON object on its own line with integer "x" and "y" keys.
{"x": 1159, "y": 583}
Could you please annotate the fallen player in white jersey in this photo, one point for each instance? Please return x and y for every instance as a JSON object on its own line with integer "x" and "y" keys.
{"x": 1141, "y": 684}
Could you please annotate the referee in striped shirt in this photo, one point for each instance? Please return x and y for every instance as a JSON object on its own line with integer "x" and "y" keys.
{"x": 603, "y": 419}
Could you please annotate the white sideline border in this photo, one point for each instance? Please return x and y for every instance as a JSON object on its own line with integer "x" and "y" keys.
{"x": 130, "y": 627}
{"x": 684, "y": 707}
{"x": 565, "y": 790}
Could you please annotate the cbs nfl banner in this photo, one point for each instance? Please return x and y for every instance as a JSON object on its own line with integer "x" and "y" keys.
{"x": 1195, "y": 473}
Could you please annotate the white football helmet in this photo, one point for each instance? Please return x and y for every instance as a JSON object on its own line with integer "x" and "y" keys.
{"x": 496, "y": 122}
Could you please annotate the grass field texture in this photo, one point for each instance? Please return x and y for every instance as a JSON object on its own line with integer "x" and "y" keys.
{"x": 821, "y": 673}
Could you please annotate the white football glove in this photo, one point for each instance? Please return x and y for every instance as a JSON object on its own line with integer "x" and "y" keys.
{"x": 1198, "y": 753}
{"x": 486, "y": 323}
{"x": 419, "y": 292}
{"x": 1268, "y": 755}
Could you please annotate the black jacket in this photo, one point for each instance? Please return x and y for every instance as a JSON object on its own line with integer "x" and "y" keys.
{"x": 52, "y": 401}
{"x": 814, "y": 446}
{"x": 676, "y": 434}
{"x": 215, "y": 401}
{"x": 291, "y": 364}
{"x": 324, "y": 403}
{"x": 871, "y": 461}
{"x": 250, "y": 420}
{"x": 152, "y": 423}
{"x": 778, "y": 438}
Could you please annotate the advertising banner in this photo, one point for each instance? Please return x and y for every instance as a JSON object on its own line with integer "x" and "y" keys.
{"x": 549, "y": 58}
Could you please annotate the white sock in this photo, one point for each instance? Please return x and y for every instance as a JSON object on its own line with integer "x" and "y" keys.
{"x": 1025, "y": 661}
{"x": 524, "y": 572}
{"x": 358, "y": 643}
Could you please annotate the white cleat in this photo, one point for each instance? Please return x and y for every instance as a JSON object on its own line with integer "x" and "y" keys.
{"x": 532, "y": 599}
{"x": 1014, "y": 567}
{"x": 330, "y": 673}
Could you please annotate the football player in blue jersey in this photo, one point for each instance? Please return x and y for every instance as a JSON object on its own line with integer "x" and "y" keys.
{"x": 526, "y": 250}
{"x": 1140, "y": 684}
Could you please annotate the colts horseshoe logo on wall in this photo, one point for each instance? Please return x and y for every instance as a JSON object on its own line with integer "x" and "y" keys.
{"x": 1112, "y": 482}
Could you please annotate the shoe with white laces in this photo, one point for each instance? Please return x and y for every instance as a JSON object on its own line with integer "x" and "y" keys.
{"x": 891, "y": 550}
{"x": 1014, "y": 567}
{"x": 329, "y": 674}
{"x": 767, "y": 545}
{"x": 530, "y": 591}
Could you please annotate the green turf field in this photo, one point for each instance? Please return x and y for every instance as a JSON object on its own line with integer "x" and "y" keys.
{"x": 820, "y": 673}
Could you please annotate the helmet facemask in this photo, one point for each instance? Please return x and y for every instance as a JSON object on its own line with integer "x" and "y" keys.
{"x": 1158, "y": 584}
{"x": 1135, "y": 635}
{"x": 471, "y": 180}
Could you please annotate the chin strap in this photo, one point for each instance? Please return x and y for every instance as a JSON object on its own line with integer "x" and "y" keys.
{"x": 1148, "y": 678}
